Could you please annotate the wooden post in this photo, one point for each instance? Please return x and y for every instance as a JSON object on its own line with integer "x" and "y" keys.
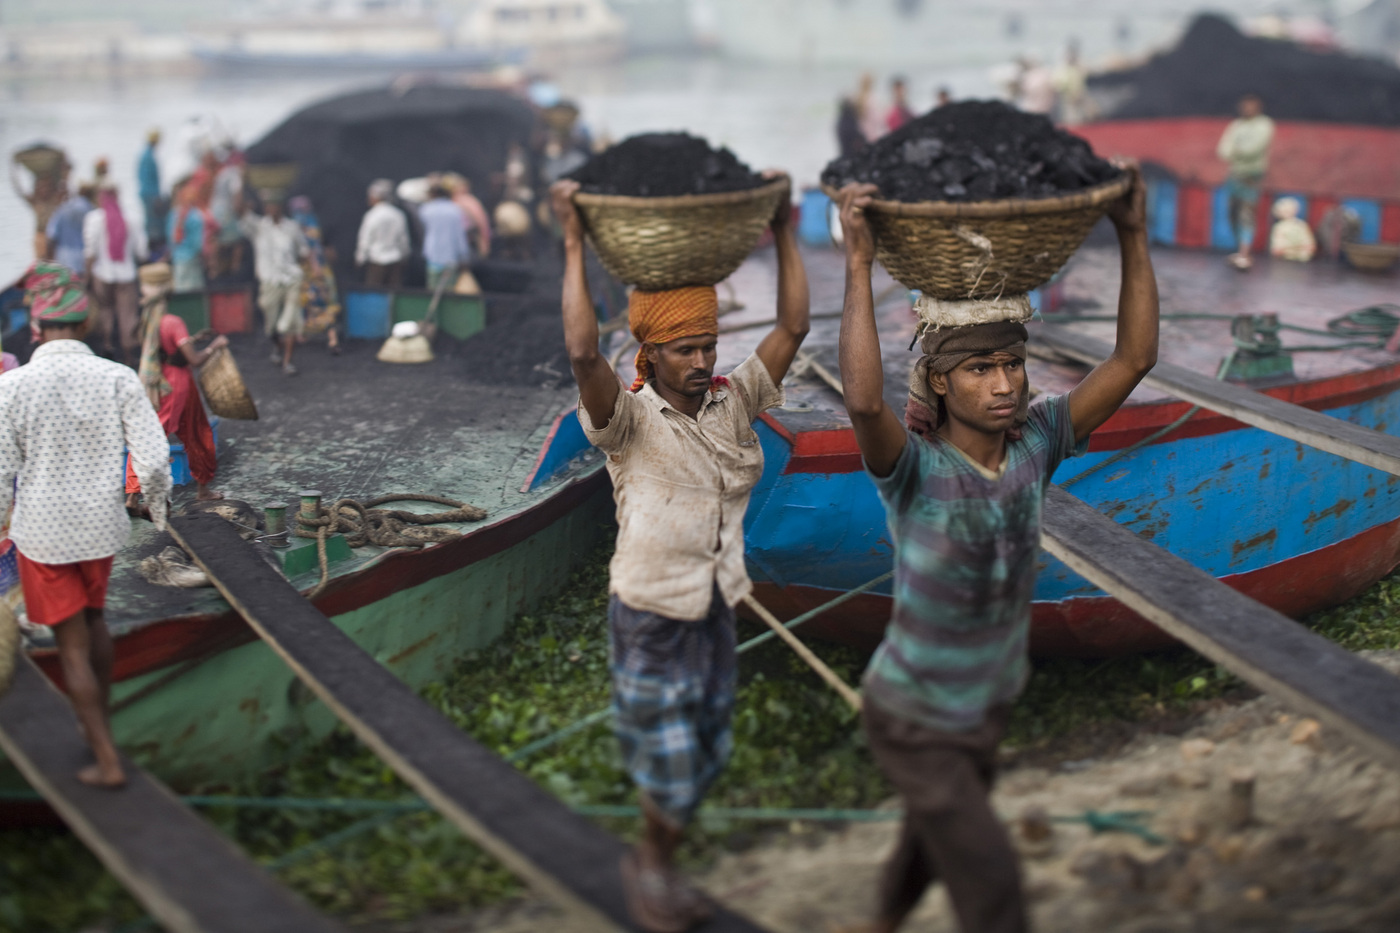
{"x": 805, "y": 653}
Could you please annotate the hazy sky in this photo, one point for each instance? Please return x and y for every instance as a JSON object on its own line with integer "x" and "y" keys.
{"x": 170, "y": 12}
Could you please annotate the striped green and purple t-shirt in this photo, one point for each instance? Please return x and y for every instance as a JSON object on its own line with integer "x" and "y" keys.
{"x": 966, "y": 542}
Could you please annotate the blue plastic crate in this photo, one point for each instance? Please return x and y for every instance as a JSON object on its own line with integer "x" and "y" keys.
{"x": 813, "y": 224}
{"x": 180, "y": 461}
{"x": 368, "y": 314}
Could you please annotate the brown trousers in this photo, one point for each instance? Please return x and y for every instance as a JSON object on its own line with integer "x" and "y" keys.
{"x": 950, "y": 831}
{"x": 118, "y": 305}
{"x": 388, "y": 275}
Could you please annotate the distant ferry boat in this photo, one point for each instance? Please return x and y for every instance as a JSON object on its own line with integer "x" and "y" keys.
{"x": 921, "y": 33}
{"x": 407, "y": 35}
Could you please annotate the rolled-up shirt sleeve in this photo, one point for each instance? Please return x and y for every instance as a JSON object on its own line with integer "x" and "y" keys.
{"x": 619, "y": 428}
{"x": 150, "y": 451}
{"x": 756, "y": 387}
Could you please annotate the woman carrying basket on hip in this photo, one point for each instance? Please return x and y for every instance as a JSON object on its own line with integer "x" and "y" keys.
{"x": 168, "y": 356}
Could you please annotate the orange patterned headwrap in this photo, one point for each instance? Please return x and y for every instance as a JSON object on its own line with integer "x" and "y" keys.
{"x": 660, "y": 317}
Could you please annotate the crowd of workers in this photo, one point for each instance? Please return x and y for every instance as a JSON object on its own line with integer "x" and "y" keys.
{"x": 212, "y": 221}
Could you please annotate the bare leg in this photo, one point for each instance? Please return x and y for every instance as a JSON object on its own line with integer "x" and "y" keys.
{"x": 657, "y": 897}
{"x": 102, "y": 654}
{"x": 205, "y": 494}
{"x": 76, "y": 652}
{"x": 289, "y": 342}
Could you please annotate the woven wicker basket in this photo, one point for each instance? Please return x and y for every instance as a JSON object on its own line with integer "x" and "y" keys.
{"x": 224, "y": 389}
{"x": 41, "y": 159}
{"x": 985, "y": 249}
{"x": 695, "y": 239}
{"x": 1371, "y": 257}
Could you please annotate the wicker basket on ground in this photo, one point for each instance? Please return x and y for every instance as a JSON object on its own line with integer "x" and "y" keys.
{"x": 985, "y": 249}
{"x": 1371, "y": 257}
{"x": 693, "y": 239}
{"x": 224, "y": 389}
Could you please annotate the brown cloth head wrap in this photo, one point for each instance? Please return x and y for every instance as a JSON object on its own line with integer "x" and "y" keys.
{"x": 944, "y": 350}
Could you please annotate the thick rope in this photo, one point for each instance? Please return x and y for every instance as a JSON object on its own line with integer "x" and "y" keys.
{"x": 363, "y": 524}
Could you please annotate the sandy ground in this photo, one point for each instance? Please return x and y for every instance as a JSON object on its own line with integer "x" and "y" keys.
{"x": 1319, "y": 851}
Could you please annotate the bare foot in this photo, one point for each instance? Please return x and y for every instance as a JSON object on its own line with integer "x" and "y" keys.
{"x": 99, "y": 776}
{"x": 208, "y": 495}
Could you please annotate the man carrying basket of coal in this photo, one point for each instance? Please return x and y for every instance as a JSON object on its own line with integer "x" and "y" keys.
{"x": 962, "y": 476}
{"x": 683, "y": 457}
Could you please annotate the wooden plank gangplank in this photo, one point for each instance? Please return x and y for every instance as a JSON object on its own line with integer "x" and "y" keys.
{"x": 561, "y": 854}
{"x": 1352, "y": 441}
{"x": 186, "y": 874}
{"x": 1261, "y": 646}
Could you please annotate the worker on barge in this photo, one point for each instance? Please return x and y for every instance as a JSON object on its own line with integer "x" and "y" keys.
{"x": 64, "y": 421}
{"x": 962, "y": 477}
{"x": 1244, "y": 147}
{"x": 683, "y": 457}
{"x": 168, "y": 360}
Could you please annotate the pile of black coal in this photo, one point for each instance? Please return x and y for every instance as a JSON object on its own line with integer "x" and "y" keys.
{"x": 1214, "y": 65}
{"x": 659, "y": 165}
{"x": 974, "y": 151}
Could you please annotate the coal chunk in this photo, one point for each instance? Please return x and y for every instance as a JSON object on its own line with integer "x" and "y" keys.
{"x": 659, "y": 165}
{"x": 974, "y": 151}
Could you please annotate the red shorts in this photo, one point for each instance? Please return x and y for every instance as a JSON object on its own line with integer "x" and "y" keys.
{"x": 56, "y": 592}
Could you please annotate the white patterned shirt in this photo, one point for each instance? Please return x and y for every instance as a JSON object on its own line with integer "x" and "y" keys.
{"x": 64, "y": 420}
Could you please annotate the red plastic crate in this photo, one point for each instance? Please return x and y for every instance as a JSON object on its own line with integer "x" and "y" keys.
{"x": 231, "y": 312}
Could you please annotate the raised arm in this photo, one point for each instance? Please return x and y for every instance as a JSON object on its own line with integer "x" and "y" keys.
{"x": 879, "y": 432}
{"x": 1109, "y": 384}
{"x": 598, "y": 385}
{"x": 780, "y": 346}
{"x": 197, "y": 358}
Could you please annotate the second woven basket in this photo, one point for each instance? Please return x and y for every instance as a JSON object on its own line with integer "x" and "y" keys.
{"x": 985, "y": 249}
{"x": 694, "y": 239}
{"x": 224, "y": 388}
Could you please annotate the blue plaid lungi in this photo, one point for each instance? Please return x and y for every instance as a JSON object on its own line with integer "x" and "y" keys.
{"x": 673, "y": 698}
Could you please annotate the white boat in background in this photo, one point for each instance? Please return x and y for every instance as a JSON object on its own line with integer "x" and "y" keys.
{"x": 553, "y": 31}
{"x": 412, "y": 35}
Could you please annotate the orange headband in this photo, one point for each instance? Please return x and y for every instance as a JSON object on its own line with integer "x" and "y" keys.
{"x": 660, "y": 317}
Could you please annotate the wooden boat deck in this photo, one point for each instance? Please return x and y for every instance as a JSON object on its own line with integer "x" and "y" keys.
{"x": 353, "y": 427}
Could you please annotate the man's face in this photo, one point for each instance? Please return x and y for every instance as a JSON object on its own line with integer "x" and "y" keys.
{"x": 983, "y": 392}
{"x": 684, "y": 366}
{"x": 274, "y": 210}
{"x": 1251, "y": 107}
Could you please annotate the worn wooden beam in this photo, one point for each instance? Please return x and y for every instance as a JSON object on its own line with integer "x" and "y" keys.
{"x": 180, "y": 868}
{"x": 1374, "y": 449}
{"x": 1261, "y": 646}
{"x": 555, "y": 850}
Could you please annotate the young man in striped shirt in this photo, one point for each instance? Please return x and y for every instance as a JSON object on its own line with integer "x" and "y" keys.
{"x": 963, "y": 486}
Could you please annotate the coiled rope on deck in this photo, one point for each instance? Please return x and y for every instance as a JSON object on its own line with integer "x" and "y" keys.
{"x": 362, "y": 523}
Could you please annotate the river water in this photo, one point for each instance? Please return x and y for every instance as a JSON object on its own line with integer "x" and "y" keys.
{"x": 771, "y": 115}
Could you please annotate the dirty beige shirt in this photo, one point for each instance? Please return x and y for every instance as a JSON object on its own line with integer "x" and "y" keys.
{"x": 682, "y": 487}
